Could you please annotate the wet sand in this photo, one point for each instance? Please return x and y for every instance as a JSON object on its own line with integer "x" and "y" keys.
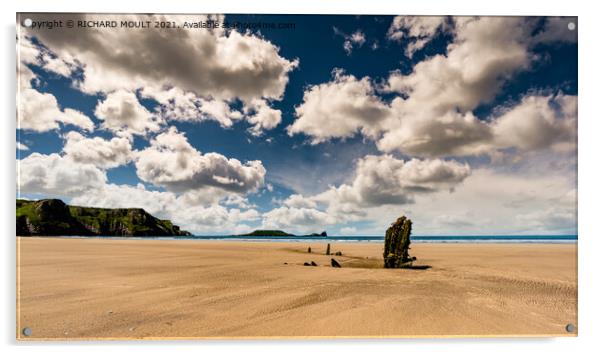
{"x": 131, "y": 289}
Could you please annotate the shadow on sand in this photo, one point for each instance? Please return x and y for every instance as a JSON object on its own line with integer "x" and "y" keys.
{"x": 375, "y": 263}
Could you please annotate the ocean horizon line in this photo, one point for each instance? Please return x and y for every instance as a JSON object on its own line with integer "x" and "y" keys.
{"x": 362, "y": 238}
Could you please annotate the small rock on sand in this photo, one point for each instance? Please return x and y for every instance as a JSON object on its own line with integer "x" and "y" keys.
{"x": 334, "y": 263}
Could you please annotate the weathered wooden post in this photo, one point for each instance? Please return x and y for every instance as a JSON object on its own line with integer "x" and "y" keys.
{"x": 328, "y": 249}
{"x": 397, "y": 244}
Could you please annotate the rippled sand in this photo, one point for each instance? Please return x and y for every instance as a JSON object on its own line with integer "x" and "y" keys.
{"x": 120, "y": 289}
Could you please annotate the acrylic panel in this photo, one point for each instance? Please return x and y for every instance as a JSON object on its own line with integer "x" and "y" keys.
{"x": 190, "y": 176}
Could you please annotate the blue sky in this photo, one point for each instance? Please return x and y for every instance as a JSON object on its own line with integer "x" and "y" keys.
{"x": 340, "y": 124}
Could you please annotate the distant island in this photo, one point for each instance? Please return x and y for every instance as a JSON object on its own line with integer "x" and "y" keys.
{"x": 281, "y": 233}
{"x": 52, "y": 217}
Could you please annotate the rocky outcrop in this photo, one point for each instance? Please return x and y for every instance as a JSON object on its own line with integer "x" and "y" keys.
{"x": 52, "y": 217}
{"x": 267, "y": 233}
{"x": 280, "y": 233}
{"x": 397, "y": 244}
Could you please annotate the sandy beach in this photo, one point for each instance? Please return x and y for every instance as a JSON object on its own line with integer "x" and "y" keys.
{"x": 131, "y": 289}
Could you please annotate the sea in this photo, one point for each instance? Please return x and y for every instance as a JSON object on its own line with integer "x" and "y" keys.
{"x": 377, "y": 239}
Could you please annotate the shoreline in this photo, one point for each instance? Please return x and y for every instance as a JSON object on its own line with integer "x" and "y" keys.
{"x": 500, "y": 239}
{"x": 94, "y": 288}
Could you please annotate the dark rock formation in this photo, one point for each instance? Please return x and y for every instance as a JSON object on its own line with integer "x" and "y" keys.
{"x": 47, "y": 217}
{"x": 314, "y": 264}
{"x": 306, "y": 264}
{"x": 280, "y": 233}
{"x": 52, "y": 217}
{"x": 397, "y": 244}
{"x": 267, "y": 233}
{"x": 328, "y": 250}
{"x": 334, "y": 263}
{"x": 338, "y": 253}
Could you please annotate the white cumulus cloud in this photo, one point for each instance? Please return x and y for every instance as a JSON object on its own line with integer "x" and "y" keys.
{"x": 121, "y": 112}
{"x": 353, "y": 40}
{"x": 418, "y": 30}
{"x": 173, "y": 163}
{"x": 262, "y": 116}
{"x": 210, "y": 62}
{"x": 100, "y": 152}
{"x": 339, "y": 109}
{"x": 384, "y": 179}
{"x": 539, "y": 122}
{"x": 53, "y": 175}
{"x": 431, "y": 114}
{"x": 21, "y": 146}
{"x": 297, "y": 218}
{"x": 378, "y": 180}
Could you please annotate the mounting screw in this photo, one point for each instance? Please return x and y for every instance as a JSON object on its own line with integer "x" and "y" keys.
{"x": 26, "y": 331}
{"x": 28, "y": 22}
{"x": 570, "y": 328}
{"x": 572, "y": 26}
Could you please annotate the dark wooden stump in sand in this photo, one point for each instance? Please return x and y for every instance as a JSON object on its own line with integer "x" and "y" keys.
{"x": 328, "y": 250}
{"x": 397, "y": 244}
{"x": 334, "y": 263}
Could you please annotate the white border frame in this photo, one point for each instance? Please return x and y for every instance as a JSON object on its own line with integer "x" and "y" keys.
{"x": 588, "y": 188}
